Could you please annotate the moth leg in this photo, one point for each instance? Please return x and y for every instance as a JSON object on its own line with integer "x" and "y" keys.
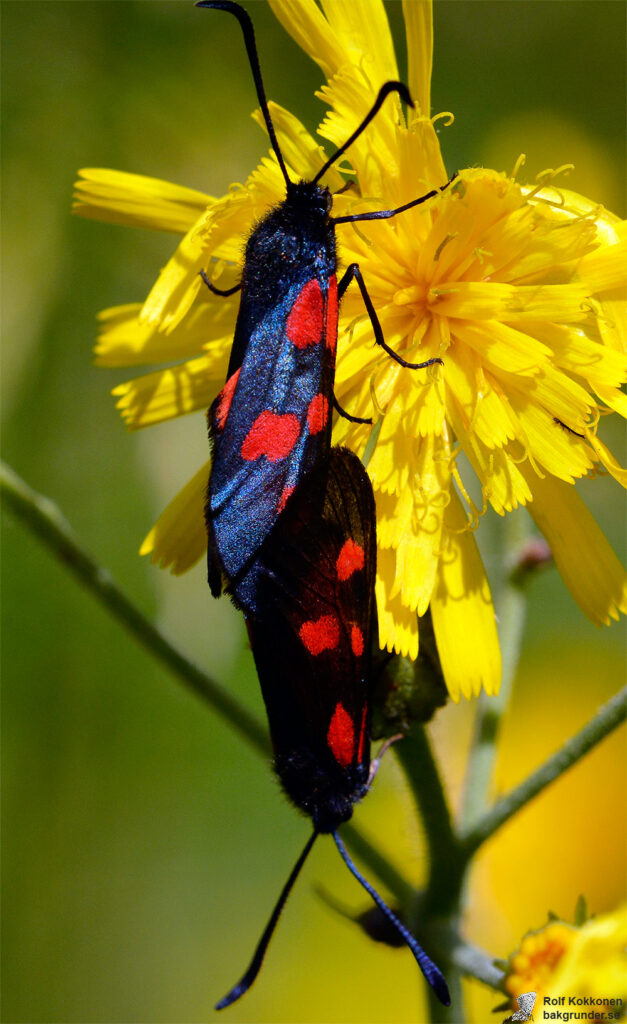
{"x": 347, "y": 416}
{"x": 354, "y": 272}
{"x": 219, "y": 291}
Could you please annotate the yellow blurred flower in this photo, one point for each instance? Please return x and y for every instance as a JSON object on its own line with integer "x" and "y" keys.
{"x": 517, "y": 289}
{"x": 561, "y": 963}
{"x": 533, "y": 965}
{"x": 596, "y": 962}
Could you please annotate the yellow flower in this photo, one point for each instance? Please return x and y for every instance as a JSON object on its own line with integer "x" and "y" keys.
{"x": 560, "y": 960}
{"x": 596, "y": 963}
{"x": 517, "y": 289}
{"x": 535, "y": 962}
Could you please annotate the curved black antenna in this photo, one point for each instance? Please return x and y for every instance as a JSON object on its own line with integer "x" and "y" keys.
{"x": 253, "y": 59}
{"x": 255, "y": 964}
{"x": 384, "y": 91}
{"x": 384, "y": 214}
{"x": 432, "y": 973}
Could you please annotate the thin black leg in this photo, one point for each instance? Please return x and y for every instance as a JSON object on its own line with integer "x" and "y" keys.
{"x": 354, "y": 272}
{"x": 219, "y": 291}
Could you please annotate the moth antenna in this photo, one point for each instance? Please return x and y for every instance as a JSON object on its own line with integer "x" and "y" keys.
{"x": 248, "y": 978}
{"x": 384, "y": 91}
{"x": 253, "y": 59}
{"x": 432, "y": 973}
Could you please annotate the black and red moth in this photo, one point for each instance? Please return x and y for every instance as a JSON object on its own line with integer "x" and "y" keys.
{"x": 271, "y": 422}
{"x": 311, "y": 644}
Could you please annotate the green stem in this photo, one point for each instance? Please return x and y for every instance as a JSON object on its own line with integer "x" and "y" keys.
{"x": 512, "y": 609}
{"x": 43, "y": 517}
{"x": 416, "y": 757}
{"x": 607, "y": 718}
{"x": 475, "y": 963}
{"x": 440, "y": 900}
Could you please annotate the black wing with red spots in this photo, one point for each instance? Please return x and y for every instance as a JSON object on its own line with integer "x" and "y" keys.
{"x": 314, "y": 577}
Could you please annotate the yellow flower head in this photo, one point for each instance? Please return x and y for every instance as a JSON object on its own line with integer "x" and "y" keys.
{"x": 517, "y": 289}
{"x": 560, "y": 960}
{"x": 533, "y": 965}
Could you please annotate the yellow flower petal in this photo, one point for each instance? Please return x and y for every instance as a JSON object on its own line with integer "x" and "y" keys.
{"x": 125, "y": 340}
{"x": 487, "y": 300}
{"x": 595, "y": 965}
{"x": 362, "y": 26}
{"x": 583, "y": 556}
{"x": 615, "y": 399}
{"x": 463, "y": 614}
{"x": 480, "y": 407}
{"x": 565, "y": 205}
{"x": 554, "y": 448}
{"x": 603, "y": 268}
{"x": 504, "y": 486}
{"x": 502, "y": 346}
{"x": 388, "y": 468}
{"x": 303, "y": 156}
{"x": 373, "y": 155}
{"x": 178, "y": 284}
{"x": 576, "y": 353}
{"x": 418, "y": 16}
{"x": 412, "y": 524}
{"x": 398, "y": 625}
{"x": 308, "y": 27}
{"x": 179, "y": 539}
{"x": 608, "y": 460}
{"x": 137, "y": 200}
{"x": 217, "y": 234}
{"x": 172, "y": 392}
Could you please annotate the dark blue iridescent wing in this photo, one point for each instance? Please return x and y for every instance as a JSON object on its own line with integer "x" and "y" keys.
{"x": 269, "y": 425}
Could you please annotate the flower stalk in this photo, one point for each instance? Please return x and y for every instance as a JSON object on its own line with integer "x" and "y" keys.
{"x": 608, "y": 717}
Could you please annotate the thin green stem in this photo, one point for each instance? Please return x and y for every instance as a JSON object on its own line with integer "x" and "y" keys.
{"x": 440, "y": 900}
{"x": 44, "y": 519}
{"x": 512, "y": 609}
{"x": 473, "y": 962}
{"x": 416, "y": 757}
{"x": 607, "y": 718}
{"x": 371, "y": 443}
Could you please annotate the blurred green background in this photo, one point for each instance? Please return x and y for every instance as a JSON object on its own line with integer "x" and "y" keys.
{"x": 143, "y": 843}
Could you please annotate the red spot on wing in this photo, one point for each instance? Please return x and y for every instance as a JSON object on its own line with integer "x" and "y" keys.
{"x": 285, "y": 495}
{"x": 357, "y": 641}
{"x": 321, "y": 634}
{"x": 304, "y": 324}
{"x": 350, "y": 559}
{"x": 362, "y": 735}
{"x": 272, "y": 434}
{"x": 317, "y": 414}
{"x": 225, "y": 398}
{"x": 341, "y": 736}
{"x": 331, "y": 333}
